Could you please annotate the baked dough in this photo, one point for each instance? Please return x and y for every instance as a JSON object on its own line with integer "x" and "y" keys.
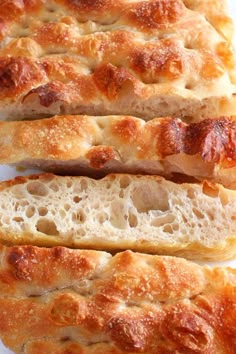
{"x": 71, "y": 301}
{"x": 143, "y": 58}
{"x": 99, "y": 145}
{"x": 142, "y": 213}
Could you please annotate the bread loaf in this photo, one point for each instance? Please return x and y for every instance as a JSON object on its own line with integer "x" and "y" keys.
{"x": 99, "y": 145}
{"x": 71, "y": 301}
{"x": 143, "y": 213}
{"x": 143, "y": 58}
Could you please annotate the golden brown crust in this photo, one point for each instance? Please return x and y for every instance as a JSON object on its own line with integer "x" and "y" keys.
{"x": 86, "y": 56}
{"x": 71, "y": 301}
{"x": 113, "y": 143}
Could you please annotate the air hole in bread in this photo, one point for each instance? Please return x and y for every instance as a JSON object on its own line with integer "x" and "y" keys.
{"x": 37, "y": 188}
{"x": 18, "y": 193}
{"x": 47, "y": 227}
{"x": 102, "y": 218}
{"x": 121, "y": 194}
{"x": 30, "y": 211}
{"x": 69, "y": 184}
{"x": 124, "y": 181}
{"x": 67, "y": 207}
{"x": 118, "y": 218}
{"x": 198, "y": 213}
{"x": 168, "y": 228}
{"x": 150, "y": 197}
{"x": 79, "y": 217}
{"x": 163, "y": 220}
{"x": 16, "y": 206}
{"x": 42, "y": 211}
{"x": 54, "y": 187}
{"x": 210, "y": 216}
{"x": 191, "y": 193}
{"x": 62, "y": 213}
{"x": 84, "y": 185}
{"x": 132, "y": 218}
{"x": 18, "y": 219}
{"x": 76, "y": 199}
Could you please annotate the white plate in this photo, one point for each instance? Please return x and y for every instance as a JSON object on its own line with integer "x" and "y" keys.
{"x": 7, "y": 172}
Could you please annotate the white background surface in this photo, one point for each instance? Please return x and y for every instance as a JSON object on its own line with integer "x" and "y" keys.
{"x": 8, "y": 173}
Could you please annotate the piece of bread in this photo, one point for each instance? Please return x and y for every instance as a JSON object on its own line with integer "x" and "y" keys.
{"x": 96, "y": 146}
{"x": 143, "y": 58}
{"x": 143, "y": 213}
{"x": 59, "y": 301}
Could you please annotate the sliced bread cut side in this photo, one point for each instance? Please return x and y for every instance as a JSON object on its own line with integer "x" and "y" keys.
{"x": 142, "y": 213}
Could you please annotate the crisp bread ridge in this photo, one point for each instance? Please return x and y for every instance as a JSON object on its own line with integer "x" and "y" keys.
{"x": 143, "y": 213}
{"x": 100, "y": 145}
{"x": 62, "y": 301}
{"x": 142, "y": 58}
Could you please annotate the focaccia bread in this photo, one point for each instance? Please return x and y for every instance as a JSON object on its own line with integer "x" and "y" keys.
{"x": 99, "y": 145}
{"x": 143, "y": 58}
{"x": 142, "y": 213}
{"x": 61, "y": 301}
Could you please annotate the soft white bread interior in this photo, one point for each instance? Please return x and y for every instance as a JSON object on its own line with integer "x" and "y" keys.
{"x": 144, "y": 213}
{"x": 62, "y": 301}
{"x": 95, "y": 146}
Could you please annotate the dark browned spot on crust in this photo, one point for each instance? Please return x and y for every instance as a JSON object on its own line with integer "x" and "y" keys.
{"x": 99, "y": 155}
{"x": 129, "y": 334}
{"x": 49, "y": 93}
{"x": 18, "y": 72}
{"x": 163, "y": 59}
{"x": 111, "y": 80}
{"x": 10, "y": 10}
{"x": 156, "y": 14}
{"x": 19, "y": 258}
{"x": 171, "y": 135}
{"x": 93, "y": 9}
{"x": 213, "y": 139}
{"x": 187, "y": 331}
{"x": 87, "y": 5}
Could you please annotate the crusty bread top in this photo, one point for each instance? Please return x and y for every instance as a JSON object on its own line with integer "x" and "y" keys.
{"x": 71, "y": 301}
{"x": 143, "y": 213}
{"x": 97, "y": 145}
{"x": 115, "y": 56}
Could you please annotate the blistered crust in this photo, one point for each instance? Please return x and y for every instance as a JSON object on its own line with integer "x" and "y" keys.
{"x": 166, "y": 146}
{"x": 71, "y": 301}
{"x": 145, "y": 58}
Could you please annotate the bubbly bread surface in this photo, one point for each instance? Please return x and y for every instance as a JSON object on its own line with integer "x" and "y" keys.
{"x": 79, "y": 301}
{"x": 143, "y": 58}
{"x": 99, "y": 145}
{"x": 143, "y": 213}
